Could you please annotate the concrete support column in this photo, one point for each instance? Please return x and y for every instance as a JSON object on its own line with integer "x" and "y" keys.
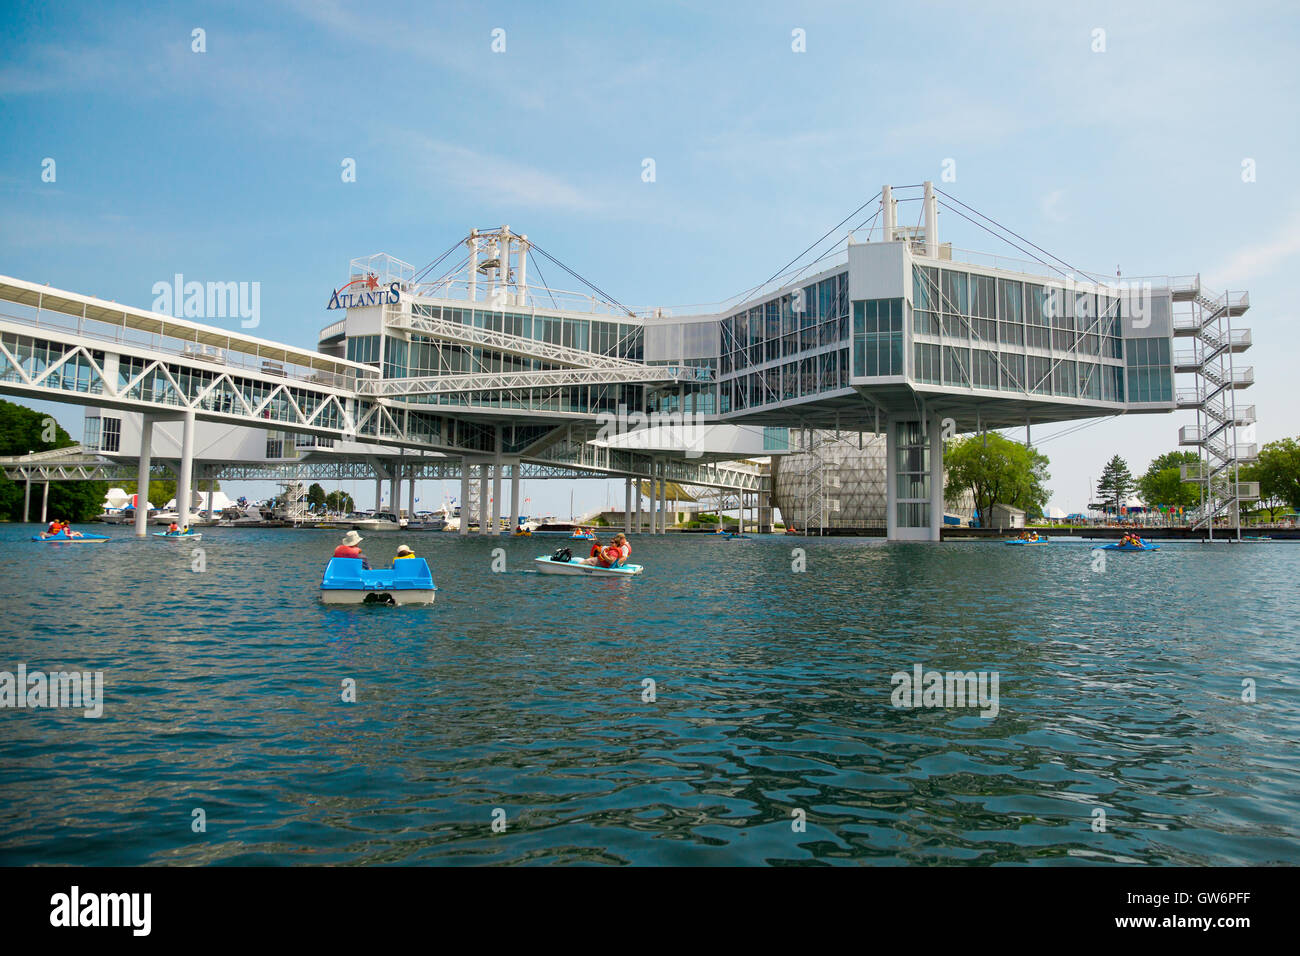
{"x": 395, "y": 491}
{"x": 627, "y": 505}
{"x": 496, "y": 472}
{"x": 663, "y": 497}
{"x": 516, "y": 506}
{"x": 212, "y": 490}
{"x": 142, "y": 477}
{"x": 636, "y": 506}
{"x": 379, "y": 492}
{"x": 483, "y": 520}
{"x": 45, "y": 503}
{"x": 27, "y": 501}
{"x": 936, "y": 477}
{"x": 183, "y": 477}
{"x": 891, "y": 481}
{"x": 656, "y": 487}
{"x": 410, "y": 507}
{"x": 464, "y": 499}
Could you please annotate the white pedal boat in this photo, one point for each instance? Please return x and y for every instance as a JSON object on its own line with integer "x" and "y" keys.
{"x": 548, "y": 565}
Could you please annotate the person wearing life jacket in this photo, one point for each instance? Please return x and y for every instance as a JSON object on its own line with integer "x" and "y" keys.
{"x": 616, "y": 555}
{"x": 595, "y": 548}
{"x": 351, "y": 548}
{"x": 173, "y": 528}
{"x": 403, "y": 552}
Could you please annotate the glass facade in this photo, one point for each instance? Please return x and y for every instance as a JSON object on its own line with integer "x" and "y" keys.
{"x": 1150, "y": 373}
{"x": 997, "y": 334}
{"x": 792, "y": 345}
{"x": 878, "y": 337}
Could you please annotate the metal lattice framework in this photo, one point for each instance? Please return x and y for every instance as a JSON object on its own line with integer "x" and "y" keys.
{"x": 553, "y": 378}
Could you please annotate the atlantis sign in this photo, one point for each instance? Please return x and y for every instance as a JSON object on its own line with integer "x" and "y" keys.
{"x": 370, "y": 294}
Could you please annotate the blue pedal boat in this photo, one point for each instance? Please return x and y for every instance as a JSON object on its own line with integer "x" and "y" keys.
{"x": 84, "y": 537}
{"x": 1146, "y": 546}
{"x": 408, "y": 581}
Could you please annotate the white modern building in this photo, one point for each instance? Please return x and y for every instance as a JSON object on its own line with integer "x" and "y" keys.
{"x": 477, "y": 373}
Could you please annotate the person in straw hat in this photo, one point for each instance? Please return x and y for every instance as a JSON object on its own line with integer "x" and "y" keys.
{"x": 404, "y": 552}
{"x": 351, "y": 548}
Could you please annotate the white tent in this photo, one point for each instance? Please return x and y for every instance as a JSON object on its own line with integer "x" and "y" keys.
{"x": 219, "y": 502}
{"x": 1054, "y": 514}
{"x": 117, "y": 499}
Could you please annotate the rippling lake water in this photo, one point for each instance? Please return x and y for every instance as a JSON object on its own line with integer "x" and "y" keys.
{"x": 1119, "y": 691}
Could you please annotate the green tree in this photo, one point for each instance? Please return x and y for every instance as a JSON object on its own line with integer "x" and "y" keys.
{"x": 24, "y": 430}
{"x": 1278, "y": 474}
{"x": 340, "y": 501}
{"x": 316, "y": 495}
{"x": 1163, "y": 484}
{"x": 996, "y": 470}
{"x": 1115, "y": 483}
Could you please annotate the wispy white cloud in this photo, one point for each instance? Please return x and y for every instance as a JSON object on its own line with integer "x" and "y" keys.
{"x": 1259, "y": 259}
{"x": 488, "y": 179}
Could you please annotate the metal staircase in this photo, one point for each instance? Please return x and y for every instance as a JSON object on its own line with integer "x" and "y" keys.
{"x": 1211, "y": 360}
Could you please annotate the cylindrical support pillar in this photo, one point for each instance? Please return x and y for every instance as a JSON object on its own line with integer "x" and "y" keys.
{"x": 496, "y": 499}
{"x": 379, "y": 492}
{"x": 27, "y": 501}
{"x": 395, "y": 492}
{"x": 410, "y": 487}
{"x": 497, "y": 469}
{"x": 663, "y": 497}
{"x": 183, "y": 477}
{"x": 464, "y": 499}
{"x": 483, "y": 521}
{"x": 636, "y": 506}
{"x": 652, "y": 502}
{"x": 936, "y": 478}
{"x": 516, "y": 505}
{"x": 142, "y": 478}
{"x": 891, "y": 481}
{"x": 472, "y": 242}
{"x": 627, "y": 505}
{"x": 212, "y": 490}
{"x": 521, "y": 276}
{"x": 931, "y": 213}
{"x": 889, "y": 219}
{"x": 45, "y": 502}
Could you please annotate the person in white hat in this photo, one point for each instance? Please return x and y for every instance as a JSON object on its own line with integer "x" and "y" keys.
{"x": 404, "y": 551}
{"x": 351, "y": 548}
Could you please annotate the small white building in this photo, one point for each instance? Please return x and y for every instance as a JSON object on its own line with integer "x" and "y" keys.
{"x": 1006, "y": 516}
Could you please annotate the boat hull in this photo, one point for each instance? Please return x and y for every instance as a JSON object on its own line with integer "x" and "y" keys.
{"x": 177, "y": 537}
{"x": 1027, "y": 544}
{"x": 1127, "y": 550}
{"x": 575, "y": 567}
{"x": 393, "y": 596}
{"x": 408, "y": 581}
{"x": 61, "y": 538}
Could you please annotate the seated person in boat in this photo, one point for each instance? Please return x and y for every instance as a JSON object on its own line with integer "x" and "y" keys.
{"x": 403, "y": 551}
{"x": 351, "y": 548}
{"x": 173, "y": 528}
{"x": 614, "y": 556}
{"x": 595, "y": 548}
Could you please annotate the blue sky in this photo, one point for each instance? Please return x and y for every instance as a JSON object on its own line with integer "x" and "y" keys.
{"x": 225, "y": 165}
